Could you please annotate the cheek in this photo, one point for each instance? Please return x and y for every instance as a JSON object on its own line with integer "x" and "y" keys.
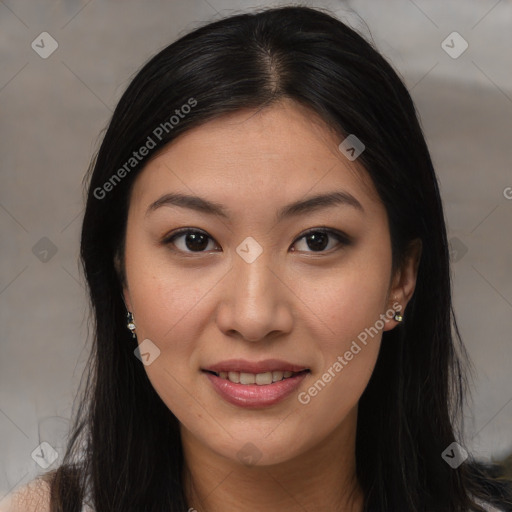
{"x": 349, "y": 344}
{"x": 162, "y": 296}
{"x": 348, "y": 299}
{"x": 168, "y": 312}
{"x": 166, "y": 305}
{"x": 351, "y": 308}
{"x": 350, "y": 303}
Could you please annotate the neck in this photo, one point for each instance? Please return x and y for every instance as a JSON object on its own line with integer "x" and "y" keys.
{"x": 323, "y": 478}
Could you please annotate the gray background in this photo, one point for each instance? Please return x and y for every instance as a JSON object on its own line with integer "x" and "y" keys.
{"x": 53, "y": 110}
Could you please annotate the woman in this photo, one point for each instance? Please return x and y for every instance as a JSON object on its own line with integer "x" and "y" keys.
{"x": 267, "y": 260}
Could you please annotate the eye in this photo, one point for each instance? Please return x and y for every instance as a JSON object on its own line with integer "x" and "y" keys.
{"x": 189, "y": 240}
{"x": 318, "y": 239}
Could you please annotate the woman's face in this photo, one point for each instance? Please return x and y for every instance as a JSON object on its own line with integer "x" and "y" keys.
{"x": 244, "y": 283}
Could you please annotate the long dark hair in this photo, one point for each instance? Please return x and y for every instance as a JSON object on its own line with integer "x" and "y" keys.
{"x": 124, "y": 452}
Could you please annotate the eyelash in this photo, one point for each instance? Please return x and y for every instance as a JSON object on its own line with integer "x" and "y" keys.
{"x": 342, "y": 238}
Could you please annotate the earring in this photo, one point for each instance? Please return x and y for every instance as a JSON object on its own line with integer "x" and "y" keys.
{"x": 398, "y": 316}
{"x": 131, "y": 323}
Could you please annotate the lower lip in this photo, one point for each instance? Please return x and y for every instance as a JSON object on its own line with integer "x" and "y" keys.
{"x": 254, "y": 395}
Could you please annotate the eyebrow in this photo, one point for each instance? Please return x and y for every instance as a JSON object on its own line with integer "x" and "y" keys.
{"x": 300, "y": 207}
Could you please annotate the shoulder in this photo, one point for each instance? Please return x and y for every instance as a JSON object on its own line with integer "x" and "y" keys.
{"x": 32, "y": 497}
{"x": 493, "y": 484}
{"x": 488, "y": 507}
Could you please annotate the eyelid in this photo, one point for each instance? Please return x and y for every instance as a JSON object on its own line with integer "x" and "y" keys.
{"x": 340, "y": 236}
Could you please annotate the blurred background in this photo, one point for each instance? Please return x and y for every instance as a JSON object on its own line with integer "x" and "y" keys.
{"x": 64, "y": 65}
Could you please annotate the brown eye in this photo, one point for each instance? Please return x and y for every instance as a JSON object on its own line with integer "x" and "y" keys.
{"x": 317, "y": 240}
{"x": 189, "y": 240}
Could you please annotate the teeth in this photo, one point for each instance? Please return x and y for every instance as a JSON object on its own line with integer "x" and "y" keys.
{"x": 277, "y": 376}
{"x": 260, "y": 379}
{"x": 247, "y": 378}
{"x": 264, "y": 378}
{"x": 233, "y": 377}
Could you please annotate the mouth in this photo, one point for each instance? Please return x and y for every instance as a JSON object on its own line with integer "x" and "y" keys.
{"x": 260, "y": 379}
{"x": 255, "y": 385}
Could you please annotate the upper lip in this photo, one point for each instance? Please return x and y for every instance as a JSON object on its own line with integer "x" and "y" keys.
{"x": 242, "y": 365}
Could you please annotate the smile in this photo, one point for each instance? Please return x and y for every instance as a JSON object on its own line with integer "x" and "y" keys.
{"x": 256, "y": 390}
{"x": 260, "y": 379}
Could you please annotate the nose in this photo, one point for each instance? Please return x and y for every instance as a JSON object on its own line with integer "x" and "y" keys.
{"x": 256, "y": 301}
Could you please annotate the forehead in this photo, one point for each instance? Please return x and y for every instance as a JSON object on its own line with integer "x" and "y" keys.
{"x": 282, "y": 152}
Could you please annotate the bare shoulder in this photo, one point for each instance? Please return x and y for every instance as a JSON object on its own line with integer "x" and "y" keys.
{"x": 486, "y": 505}
{"x": 32, "y": 497}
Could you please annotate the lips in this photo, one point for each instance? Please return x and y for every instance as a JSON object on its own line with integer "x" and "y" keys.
{"x": 255, "y": 395}
{"x": 255, "y": 384}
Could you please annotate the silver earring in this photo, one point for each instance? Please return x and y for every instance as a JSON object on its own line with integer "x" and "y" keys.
{"x": 131, "y": 323}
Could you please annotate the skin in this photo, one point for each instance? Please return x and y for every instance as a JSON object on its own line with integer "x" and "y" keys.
{"x": 291, "y": 303}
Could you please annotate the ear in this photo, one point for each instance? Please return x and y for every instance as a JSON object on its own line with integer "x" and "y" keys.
{"x": 404, "y": 281}
{"x": 118, "y": 265}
